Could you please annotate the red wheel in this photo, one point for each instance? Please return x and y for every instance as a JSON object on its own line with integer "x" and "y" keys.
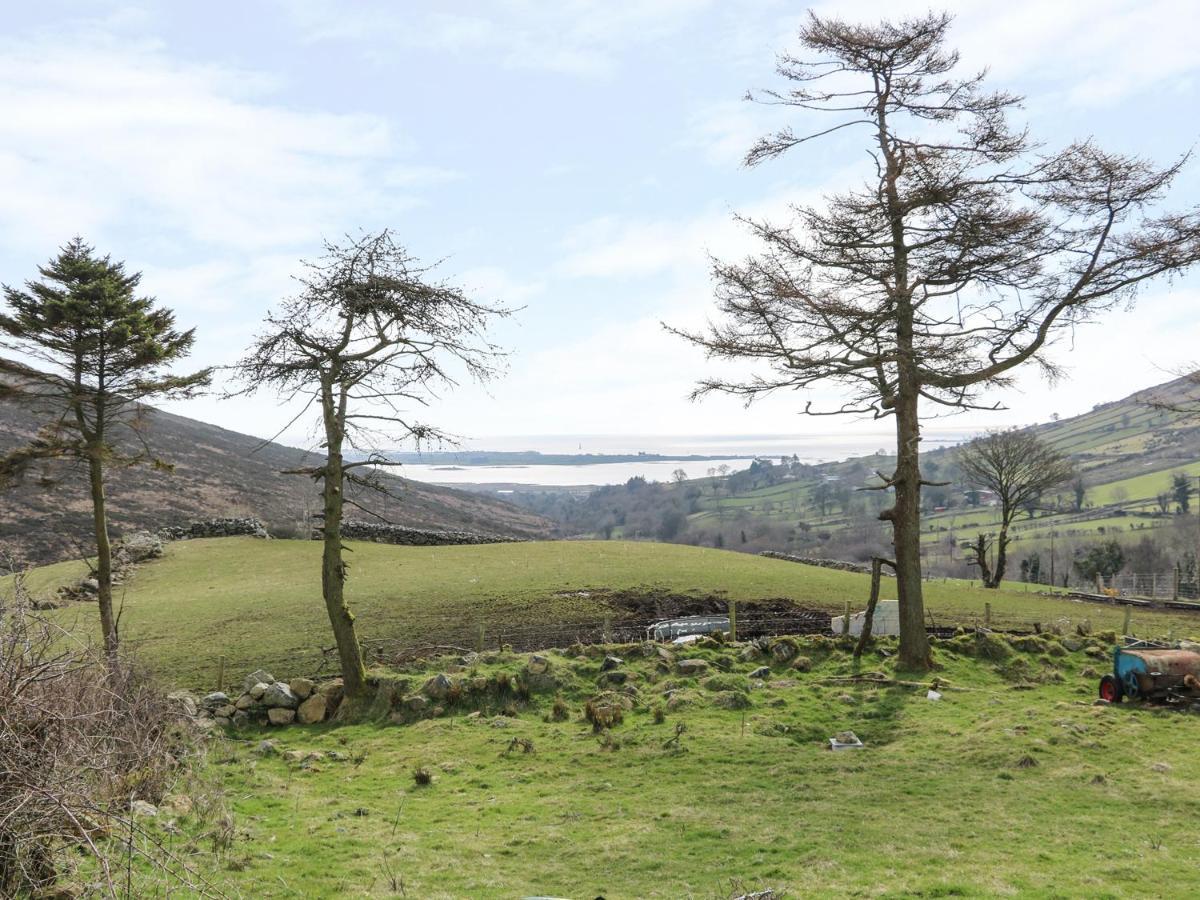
{"x": 1110, "y": 689}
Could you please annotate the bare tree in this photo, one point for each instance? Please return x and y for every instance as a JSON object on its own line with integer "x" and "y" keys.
{"x": 959, "y": 258}
{"x": 368, "y": 333}
{"x": 1018, "y": 468}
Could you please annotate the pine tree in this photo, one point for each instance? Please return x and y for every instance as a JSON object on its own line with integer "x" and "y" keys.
{"x": 105, "y": 353}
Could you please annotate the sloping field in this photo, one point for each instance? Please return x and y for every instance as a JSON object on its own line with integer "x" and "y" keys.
{"x": 258, "y": 602}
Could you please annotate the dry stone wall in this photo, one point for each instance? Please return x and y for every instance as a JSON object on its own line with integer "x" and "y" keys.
{"x": 397, "y": 534}
{"x": 837, "y": 564}
{"x": 209, "y": 528}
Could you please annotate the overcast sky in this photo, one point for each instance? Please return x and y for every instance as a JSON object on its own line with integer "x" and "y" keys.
{"x": 578, "y": 158}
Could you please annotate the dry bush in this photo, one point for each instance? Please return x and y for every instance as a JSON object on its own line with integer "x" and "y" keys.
{"x": 81, "y": 738}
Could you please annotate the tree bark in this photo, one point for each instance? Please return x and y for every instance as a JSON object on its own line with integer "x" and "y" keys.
{"x": 108, "y": 624}
{"x": 1001, "y": 558}
{"x": 905, "y": 516}
{"x": 333, "y": 567}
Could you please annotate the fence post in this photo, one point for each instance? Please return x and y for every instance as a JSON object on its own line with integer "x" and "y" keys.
{"x": 1128, "y": 616}
{"x": 221, "y": 674}
{"x": 733, "y": 620}
{"x": 607, "y": 633}
{"x": 846, "y": 621}
{"x": 1175, "y": 585}
{"x": 987, "y": 616}
{"x": 479, "y": 639}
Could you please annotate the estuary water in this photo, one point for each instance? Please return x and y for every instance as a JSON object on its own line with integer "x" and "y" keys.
{"x": 743, "y": 450}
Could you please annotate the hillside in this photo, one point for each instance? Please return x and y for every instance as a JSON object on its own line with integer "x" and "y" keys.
{"x": 1126, "y": 452}
{"x": 263, "y": 599}
{"x": 216, "y": 473}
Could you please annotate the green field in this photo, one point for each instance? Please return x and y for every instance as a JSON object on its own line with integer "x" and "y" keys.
{"x": 257, "y": 603}
{"x": 991, "y": 791}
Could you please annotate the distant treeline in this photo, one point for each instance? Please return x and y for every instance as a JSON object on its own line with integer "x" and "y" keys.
{"x": 534, "y": 458}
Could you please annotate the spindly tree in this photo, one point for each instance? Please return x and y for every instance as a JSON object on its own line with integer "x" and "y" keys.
{"x": 106, "y": 353}
{"x": 957, "y": 259}
{"x": 367, "y": 336}
{"x": 1018, "y": 467}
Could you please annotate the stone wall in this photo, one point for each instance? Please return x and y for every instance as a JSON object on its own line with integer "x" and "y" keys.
{"x": 397, "y": 534}
{"x": 839, "y": 565}
{"x": 208, "y": 528}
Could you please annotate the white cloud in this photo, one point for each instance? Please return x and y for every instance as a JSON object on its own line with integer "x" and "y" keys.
{"x": 98, "y": 137}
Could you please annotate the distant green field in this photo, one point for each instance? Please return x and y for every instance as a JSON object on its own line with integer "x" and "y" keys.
{"x": 258, "y": 602}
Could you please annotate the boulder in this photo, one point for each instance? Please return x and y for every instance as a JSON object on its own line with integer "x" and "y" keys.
{"x": 225, "y": 712}
{"x": 610, "y": 663}
{"x": 279, "y": 696}
{"x": 438, "y": 686}
{"x": 280, "y": 715}
{"x": 312, "y": 710}
{"x": 256, "y": 677}
{"x": 416, "y": 703}
{"x": 184, "y": 702}
{"x": 215, "y": 699}
{"x": 256, "y": 691}
{"x": 761, "y": 672}
{"x": 692, "y": 666}
{"x": 613, "y": 678}
{"x": 91, "y": 585}
{"x": 244, "y": 702}
{"x": 142, "y": 808}
{"x": 537, "y": 665}
{"x": 731, "y": 700}
{"x": 267, "y": 748}
{"x": 302, "y": 687}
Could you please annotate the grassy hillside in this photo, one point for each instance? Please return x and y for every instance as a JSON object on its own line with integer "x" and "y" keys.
{"x": 258, "y": 602}
{"x": 216, "y": 472}
{"x": 991, "y": 791}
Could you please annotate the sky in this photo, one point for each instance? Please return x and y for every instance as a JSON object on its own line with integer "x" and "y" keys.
{"x": 579, "y": 159}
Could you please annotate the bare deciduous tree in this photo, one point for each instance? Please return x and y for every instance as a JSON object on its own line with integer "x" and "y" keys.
{"x": 959, "y": 258}
{"x": 1018, "y": 468}
{"x": 368, "y": 333}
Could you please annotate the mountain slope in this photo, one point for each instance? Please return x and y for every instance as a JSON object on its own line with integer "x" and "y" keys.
{"x": 216, "y": 473}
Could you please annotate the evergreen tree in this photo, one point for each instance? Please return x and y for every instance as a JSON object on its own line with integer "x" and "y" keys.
{"x": 106, "y": 353}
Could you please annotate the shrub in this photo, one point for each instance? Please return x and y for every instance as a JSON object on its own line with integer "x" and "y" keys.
{"x": 82, "y": 737}
{"x": 422, "y": 777}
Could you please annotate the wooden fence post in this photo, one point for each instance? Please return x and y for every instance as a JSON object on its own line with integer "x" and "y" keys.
{"x": 1128, "y": 616}
{"x": 479, "y": 639}
{"x": 607, "y": 633}
{"x": 846, "y": 621}
{"x": 733, "y": 620}
{"x": 987, "y": 616}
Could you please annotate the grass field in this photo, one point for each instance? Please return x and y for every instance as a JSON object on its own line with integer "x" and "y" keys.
{"x": 258, "y": 602}
{"x": 989, "y": 792}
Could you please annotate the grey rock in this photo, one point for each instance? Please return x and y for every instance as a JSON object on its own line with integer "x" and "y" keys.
{"x": 280, "y": 715}
{"x": 256, "y": 677}
{"x": 761, "y": 672}
{"x": 256, "y": 691}
{"x": 438, "y": 686}
{"x": 225, "y": 712}
{"x": 610, "y": 663}
{"x": 416, "y": 703}
{"x": 215, "y": 699}
{"x": 244, "y": 702}
{"x": 279, "y": 696}
{"x": 302, "y": 687}
{"x": 692, "y": 666}
{"x": 144, "y": 809}
{"x": 613, "y": 677}
{"x": 267, "y": 748}
{"x": 537, "y": 665}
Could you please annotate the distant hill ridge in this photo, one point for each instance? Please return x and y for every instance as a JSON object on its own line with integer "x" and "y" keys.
{"x": 217, "y": 473}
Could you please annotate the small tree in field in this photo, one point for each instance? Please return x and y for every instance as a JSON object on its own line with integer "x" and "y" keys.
{"x": 106, "y": 351}
{"x": 1018, "y": 468}
{"x": 956, "y": 261}
{"x": 368, "y": 333}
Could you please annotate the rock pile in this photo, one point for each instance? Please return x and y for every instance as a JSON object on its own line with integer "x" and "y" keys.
{"x": 265, "y": 701}
{"x": 396, "y": 534}
{"x": 837, "y": 564}
{"x": 208, "y": 528}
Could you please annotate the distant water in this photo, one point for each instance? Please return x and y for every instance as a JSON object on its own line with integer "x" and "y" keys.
{"x": 810, "y": 448}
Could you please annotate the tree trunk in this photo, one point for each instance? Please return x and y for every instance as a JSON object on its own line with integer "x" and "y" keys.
{"x": 333, "y": 568}
{"x": 1001, "y": 558}
{"x": 108, "y": 624}
{"x": 905, "y": 517}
